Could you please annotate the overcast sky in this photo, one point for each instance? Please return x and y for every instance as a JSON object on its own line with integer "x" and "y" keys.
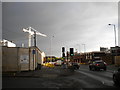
{"x": 71, "y": 23}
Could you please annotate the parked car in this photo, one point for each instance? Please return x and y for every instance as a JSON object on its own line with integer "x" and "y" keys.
{"x": 116, "y": 77}
{"x": 97, "y": 65}
{"x": 48, "y": 64}
{"x": 58, "y": 62}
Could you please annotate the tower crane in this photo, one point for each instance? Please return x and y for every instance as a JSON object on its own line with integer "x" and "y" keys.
{"x": 32, "y": 32}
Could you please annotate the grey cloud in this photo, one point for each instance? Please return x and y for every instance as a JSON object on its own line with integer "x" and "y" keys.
{"x": 70, "y": 23}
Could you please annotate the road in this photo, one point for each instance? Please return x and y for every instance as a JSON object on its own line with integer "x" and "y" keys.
{"x": 62, "y": 78}
{"x": 102, "y": 77}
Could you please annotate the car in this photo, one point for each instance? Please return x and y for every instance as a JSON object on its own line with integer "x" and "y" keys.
{"x": 58, "y": 63}
{"x": 97, "y": 65}
{"x": 116, "y": 77}
{"x": 48, "y": 64}
{"x": 76, "y": 65}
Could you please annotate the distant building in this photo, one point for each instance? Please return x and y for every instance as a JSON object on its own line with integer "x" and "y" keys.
{"x": 7, "y": 43}
{"x": 115, "y": 51}
{"x": 80, "y": 58}
{"x": 88, "y": 56}
{"x": 103, "y": 49}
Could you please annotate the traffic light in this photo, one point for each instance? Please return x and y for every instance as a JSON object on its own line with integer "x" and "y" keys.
{"x": 67, "y": 54}
{"x": 71, "y": 52}
{"x": 63, "y": 54}
{"x": 63, "y": 49}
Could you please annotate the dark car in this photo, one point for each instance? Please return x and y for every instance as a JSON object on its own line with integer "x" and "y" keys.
{"x": 97, "y": 65}
{"x": 76, "y": 65}
{"x": 116, "y": 77}
{"x": 73, "y": 65}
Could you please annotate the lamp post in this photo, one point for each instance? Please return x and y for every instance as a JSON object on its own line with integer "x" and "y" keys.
{"x": 84, "y": 47}
{"x": 115, "y": 42}
{"x": 79, "y": 47}
{"x": 84, "y": 51}
{"x": 114, "y": 32}
{"x": 51, "y": 47}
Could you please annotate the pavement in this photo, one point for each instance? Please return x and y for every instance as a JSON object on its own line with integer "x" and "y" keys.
{"x": 43, "y": 72}
{"x": 112, "y": 68}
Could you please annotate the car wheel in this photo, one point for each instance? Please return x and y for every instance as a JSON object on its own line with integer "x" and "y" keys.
{"x": 115, "y": 80}
{"x": 93, "y": 68}
{"x": 90, "y": 68}
{"x": 105, "y": 69}
{"x": 98, "y": 69}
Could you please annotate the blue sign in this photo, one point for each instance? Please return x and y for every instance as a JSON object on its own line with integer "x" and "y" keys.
{"x": 33, "y": 52}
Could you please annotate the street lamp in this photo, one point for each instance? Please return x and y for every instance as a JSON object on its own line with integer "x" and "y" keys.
{"x": 114, "y": 32}
{"x": 79, "y": 47}
{"x": 84, "y": 47}
{"x": 51, "y": 46}
{"x": 115, "y": 38}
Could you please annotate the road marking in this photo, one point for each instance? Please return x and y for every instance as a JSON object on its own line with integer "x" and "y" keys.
{"x": 107, "y": 74}
{"x": 101, "y": 79}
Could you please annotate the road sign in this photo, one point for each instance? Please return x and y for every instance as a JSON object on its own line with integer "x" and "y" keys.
{"x": 33, "y": 52}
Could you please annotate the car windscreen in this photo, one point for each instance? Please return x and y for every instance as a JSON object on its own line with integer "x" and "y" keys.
{"x": 98, "y": 62}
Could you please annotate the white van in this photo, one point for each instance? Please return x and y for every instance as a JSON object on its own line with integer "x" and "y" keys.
{"x": 58, "y": 62}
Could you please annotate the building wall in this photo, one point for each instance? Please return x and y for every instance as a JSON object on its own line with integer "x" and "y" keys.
{"x": 32, "y": 60}
{"x": 20, "y": 59}
{"x": 39, "y": 57}
{"x": 9, "y": 59}
{"x": 23, "y": 59}
{"x": 108, "y": 59}
{"x": 0, "y": 59}
{"x": 86, "y": 57}
{"x": 117, "y": 60}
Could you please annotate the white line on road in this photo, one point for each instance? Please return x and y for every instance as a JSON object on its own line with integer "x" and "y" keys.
{"x": 104, "y": 81}
{"x": 105, "y": 73}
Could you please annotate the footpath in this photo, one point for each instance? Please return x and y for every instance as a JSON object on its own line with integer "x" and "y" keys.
{"x": 43, "y": 72}
{"x": 112, "y": 68}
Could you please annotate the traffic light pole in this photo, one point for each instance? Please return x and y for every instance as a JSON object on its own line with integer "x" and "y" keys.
{"x": 35, "y": 38}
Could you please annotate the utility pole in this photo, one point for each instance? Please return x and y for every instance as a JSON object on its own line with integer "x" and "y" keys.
{"x": 34, "y": 39}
